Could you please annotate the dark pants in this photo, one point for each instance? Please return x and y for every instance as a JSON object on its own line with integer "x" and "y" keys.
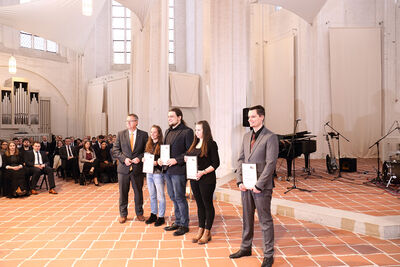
{"x": 137, "y": 184}
{"x": 261, "y": 202}
{"x": 71, "y": 167}
{"x": 36, "y": 173}
{"x": 203, "y": 194}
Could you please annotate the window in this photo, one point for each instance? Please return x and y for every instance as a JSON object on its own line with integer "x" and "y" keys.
{"x": 29, "y": 40}
{"x": 277, "y": 8}
{"x": 171, "y": 32}
{"x": 121, "y": 33}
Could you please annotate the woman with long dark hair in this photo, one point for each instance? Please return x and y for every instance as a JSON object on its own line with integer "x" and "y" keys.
{"x": 155, "y": 180}
{"x": 14, "y": 172}
{"x": 88, "y": 163}
{"x": 206, "y": 150}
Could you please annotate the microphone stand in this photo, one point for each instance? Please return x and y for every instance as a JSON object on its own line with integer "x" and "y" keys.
{"x": 378, "y": 179}
{"x": 294, "y": 160}
{"x": 338, "y": 138}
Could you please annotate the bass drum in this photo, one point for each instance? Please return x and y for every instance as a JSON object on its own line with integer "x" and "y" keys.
{"x": 391, "y": 169}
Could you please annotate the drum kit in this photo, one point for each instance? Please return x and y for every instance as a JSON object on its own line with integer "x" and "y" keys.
{"x": 391, "y": 169}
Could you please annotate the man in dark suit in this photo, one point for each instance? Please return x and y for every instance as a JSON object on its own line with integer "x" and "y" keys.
{"x": 179, "y": 137}
{"x": 69, "y": 160}
{"x": 37, "y": 163}
{"x": 260, "y": 146}
{"x": 129, "y": 150}
{"x": 47, "y": 148}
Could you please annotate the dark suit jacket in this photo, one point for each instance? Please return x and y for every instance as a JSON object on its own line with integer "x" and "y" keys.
{"x": 64, "y": 154}
{"x": 178, "y": 147}
{"x": 29, "y": 157}
{"x": 46, "y": 148}
{"x": 264, "y": 154}
{"x": 122, "y": 150}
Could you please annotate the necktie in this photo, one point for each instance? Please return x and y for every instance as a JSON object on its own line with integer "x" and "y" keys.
{"x": 38, "y": 158}
{"x": 132, "y": 142}
{"x": 253, "y": 140}
{"x": 69, "y": 151}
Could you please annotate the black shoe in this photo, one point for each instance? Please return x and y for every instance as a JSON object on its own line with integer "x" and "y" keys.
{"x": 151, "y": 219}
{"x": 181, "y": 231}
{"x": 172, "y": 227}
{"x": 267, "y": 262}
{"x": 240, "y": 253}
{"x": 159, "y": 221}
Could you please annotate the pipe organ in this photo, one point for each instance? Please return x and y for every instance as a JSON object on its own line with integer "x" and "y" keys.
{"x": 21, "y": 107}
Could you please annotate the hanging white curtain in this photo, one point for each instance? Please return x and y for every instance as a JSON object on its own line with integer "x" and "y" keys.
{"x": 57, "y": 20}
{"x": 356, "y": 88}
{"x": 279, "y": 85}
{"x": 95, "y": 118}
{"x": 184, "y": 89}
{"x": 117, "y": 104}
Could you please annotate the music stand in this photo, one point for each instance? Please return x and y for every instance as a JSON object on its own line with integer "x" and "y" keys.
{"x": 338, "y": 135}
{"x": 378, "y": 179}
{"x": 294, "y": 160}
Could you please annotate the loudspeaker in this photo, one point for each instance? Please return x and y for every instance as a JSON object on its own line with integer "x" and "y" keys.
{"x": 348, "y": 164}
{"x": 246, "y": 117}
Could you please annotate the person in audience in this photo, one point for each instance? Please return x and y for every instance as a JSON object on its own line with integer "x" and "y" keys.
{"x": 31, "y": 140}
{"x": 180, "y": 138}
{"x": 206, "y": 151}
{"x": 26, "y": 146}
{"x": 155, "y": 180}
{"x": 38, "y": 163}
{"x": 129, "y": 149}
{"x": 14, "y": 171}
{"x": 48, "y": 148}
{"x": 88, "y": 164}
{"x": 69, "y": 160}
{"x": 19, "y": 144}
{"x": 94, "y": 140}
{"x": 1, "y": 176}
{"x": 57, "y": 159}
{"x": 105, "y": 162}
{"x": 4, "y": 145}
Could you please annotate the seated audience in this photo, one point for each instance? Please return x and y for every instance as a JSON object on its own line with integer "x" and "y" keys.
{"x": 26, "y": 146}
{"x": 38, "y": 163}
{"x": 56, "y": 159}
{"x": 106, "y": 164}
{"x": 14, "y": 172}
{"x": 88, "y": 163}
{"x": 4, "y": 145}
{"x": 1, "y": 177}
{"x": 69, "y": 160}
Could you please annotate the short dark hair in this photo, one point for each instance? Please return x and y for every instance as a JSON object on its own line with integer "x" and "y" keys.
{"x": 25, "y": 139}
{"x": 133, "y": 115}
{"x": 15, "y": 139}
{"x": 259, "y": 109}
{"x": 100, "y": 137}
{"x": 36, "y": 142}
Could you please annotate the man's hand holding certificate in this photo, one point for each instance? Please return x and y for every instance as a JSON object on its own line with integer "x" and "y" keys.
{"x": 164, "y": 154}
{"x": 249, "y": 174}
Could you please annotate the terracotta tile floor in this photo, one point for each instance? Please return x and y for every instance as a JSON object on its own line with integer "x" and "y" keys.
{"x": 78, "y": 227}
{"x": 343, "y": 193}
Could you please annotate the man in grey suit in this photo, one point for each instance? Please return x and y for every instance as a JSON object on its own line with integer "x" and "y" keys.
{"x": 129, "y": 150}
{"x": 260, "y": 146}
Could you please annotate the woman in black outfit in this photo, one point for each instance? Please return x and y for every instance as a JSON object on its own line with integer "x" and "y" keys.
{"x": 14, "y": 171}
{"x": 105, "y": 161}
{"x": 88, "y": 163}
{"x": 206, "y": 150}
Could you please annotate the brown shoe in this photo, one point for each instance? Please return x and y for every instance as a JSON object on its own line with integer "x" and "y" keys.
{"x": 205, "y": 238}
{"x": 198, "y": 236}
{"x": 140, "y": 218}
{"x": 34, "y": 192}
{"x": 52, "y": 191}
{"x": 122, "y": 219}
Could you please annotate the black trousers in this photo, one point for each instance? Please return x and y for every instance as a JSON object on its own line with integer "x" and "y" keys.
{"x": 124, "y": 181}
{"x": 71, "y": 167}
{"x": 203, "y": 194}
{"x": 36, "y": 173}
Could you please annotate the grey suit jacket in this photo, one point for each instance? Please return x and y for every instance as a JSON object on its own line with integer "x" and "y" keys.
{"x": 264, "y": 154}
{"x": 122, "y": 150}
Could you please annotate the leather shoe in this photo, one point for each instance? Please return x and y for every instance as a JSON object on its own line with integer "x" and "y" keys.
{"x": 160, "y": 221}
{"x": 34, "y": 192}
{"x": 172, "y": 227}
{"x": 52, "y": 191}
{"x": 140, "y": 218}
{"x": 240, "y": 253}
{"x": 122, "y": 219}
{"x": 181, "y": 231}
{"x": 267, "y": 262}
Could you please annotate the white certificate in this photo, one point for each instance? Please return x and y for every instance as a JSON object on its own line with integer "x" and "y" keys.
{"x": 148, "y": 164}
{"x": 164, "y": 154}
{"x": 249, "y": 173}
{"x": 191, "y": 167}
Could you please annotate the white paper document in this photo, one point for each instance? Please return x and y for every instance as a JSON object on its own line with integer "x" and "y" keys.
{"x": 191, "y": 167}
{"x": 148, "y": 164}
{"x": 164, "y": 154}
{"x": 249, "y": 174}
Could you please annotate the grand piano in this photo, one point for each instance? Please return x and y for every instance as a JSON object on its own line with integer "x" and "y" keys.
{"x": 302, "y": 144}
